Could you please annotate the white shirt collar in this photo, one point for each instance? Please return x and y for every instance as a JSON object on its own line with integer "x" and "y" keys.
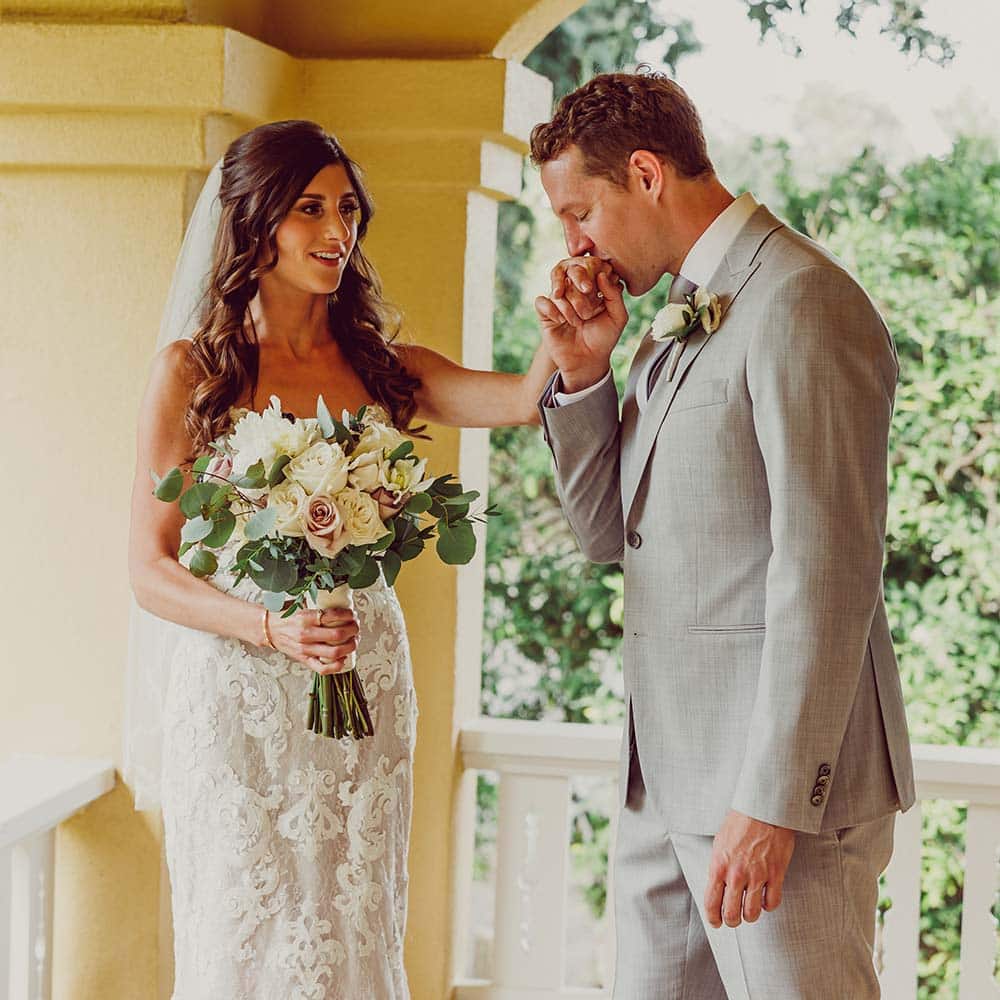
{"x": 706, "y": 255}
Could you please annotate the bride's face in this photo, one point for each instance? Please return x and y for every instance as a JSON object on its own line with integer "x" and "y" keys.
{"x": 316, "y": 237}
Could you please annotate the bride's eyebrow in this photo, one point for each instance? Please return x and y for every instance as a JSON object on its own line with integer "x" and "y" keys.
{"x": 322, "y": 197}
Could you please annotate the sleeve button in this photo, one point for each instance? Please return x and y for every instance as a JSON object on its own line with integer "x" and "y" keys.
{"x": 817, "y": 800}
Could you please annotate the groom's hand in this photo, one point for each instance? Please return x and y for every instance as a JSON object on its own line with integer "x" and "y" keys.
{"x": 747, "y": 870}
{"x": 582, "y": 318}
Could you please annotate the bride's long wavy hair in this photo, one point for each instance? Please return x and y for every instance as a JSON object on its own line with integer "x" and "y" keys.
{"x": 263, "y": 174}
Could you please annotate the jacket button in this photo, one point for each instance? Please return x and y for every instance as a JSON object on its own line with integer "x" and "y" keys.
{"x": 824, "y": 770}
{"x": 817, "y": 800}
{"x": 819, "y": 790}
{"x": 634, "y": 539}
{"x": 823, "y": 779}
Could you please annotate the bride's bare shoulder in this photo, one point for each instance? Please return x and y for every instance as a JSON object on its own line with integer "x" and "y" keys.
{"x": 171, "y": 373}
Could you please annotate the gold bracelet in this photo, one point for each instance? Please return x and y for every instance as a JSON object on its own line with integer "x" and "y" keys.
{"x": 267, "y": 630}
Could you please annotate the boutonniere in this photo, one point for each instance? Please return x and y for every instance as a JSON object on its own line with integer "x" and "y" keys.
{"x": 678, "y": 320}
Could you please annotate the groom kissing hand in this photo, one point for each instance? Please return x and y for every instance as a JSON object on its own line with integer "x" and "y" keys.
{"x": 742, "y": 484}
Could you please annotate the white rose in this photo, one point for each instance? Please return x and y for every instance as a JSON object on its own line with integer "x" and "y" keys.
{"x": 710, "y": 310}
{"x": 359, "y": 513}
{"x": 670, "y": 320}
{"x": 380, "y": 438}
{"x": 290, "y": 500}
{"x": 321, "y": 467}
{"x": 366, "y": 472}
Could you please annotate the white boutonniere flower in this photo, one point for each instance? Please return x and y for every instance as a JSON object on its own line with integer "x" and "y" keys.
{"x": 678, "y": 320}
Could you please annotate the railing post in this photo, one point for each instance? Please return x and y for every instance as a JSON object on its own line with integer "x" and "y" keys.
{"x": 532, "y": 851}
{"x": 31, "y": 897}
{"x": 901, "y": 937}
{"x": 978, "y": 956}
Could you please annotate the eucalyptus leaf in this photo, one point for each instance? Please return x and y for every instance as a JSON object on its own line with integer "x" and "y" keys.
{"x": 169, "y": 487}
{"x": 366, "y": 576}
{"x": 203, "y": 563}
{"x": 419, "y": 503}
{"x": 261, "y": 523}
{"x": 391, "y": 565}
{"x": 224, "y": 523}
{"x": 277, "y": 472}
{"x": 196, "y": 529}
{"x": 275, "y": 574}
{"x": 200, "y": 495}
{"x": 201, "y": 464}
{"x": 273, "y": 601}
{"x": 401, "y": 451}
{"x": 456, "y": 544}
{"x": 324, "y": 418}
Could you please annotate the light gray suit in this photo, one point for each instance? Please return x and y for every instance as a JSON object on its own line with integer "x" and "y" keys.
{"x": 748, "y": 503}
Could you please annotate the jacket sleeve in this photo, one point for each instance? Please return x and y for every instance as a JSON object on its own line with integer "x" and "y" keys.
{"x": 821, "y": 372}
{"x": 583, "y": 436}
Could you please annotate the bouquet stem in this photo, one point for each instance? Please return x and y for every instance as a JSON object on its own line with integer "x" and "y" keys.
{"x": 337, "y": 705}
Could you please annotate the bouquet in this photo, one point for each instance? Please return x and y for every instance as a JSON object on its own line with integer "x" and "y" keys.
{"x": 320, "y": 506}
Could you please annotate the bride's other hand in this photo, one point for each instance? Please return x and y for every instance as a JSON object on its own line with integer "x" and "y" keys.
{"x": 322, "y": 640}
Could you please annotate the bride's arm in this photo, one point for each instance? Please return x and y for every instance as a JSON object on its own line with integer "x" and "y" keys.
{"x": 464, "y": 397}
{"x": 160, "y": 583}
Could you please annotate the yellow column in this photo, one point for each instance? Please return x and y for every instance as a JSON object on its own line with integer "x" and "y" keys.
{"x": 106, "y": 132}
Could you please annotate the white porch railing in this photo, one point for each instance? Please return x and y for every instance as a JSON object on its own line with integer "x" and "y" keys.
{"x": 36, "y": 794}
{"x": 536, "y": 762}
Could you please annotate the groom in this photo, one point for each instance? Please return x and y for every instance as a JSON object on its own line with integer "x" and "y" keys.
{"x": 743, "y": 485}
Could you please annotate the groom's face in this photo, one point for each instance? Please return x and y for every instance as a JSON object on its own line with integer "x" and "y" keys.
{"x": 602, "y": 219}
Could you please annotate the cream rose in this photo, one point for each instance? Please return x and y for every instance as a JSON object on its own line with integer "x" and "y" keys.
{"x": 709, "y": 308}
{"x": 321, "y": 468}
{"x": 289, "y": 499}
{"x": 670, "y": 320}
{"x": 325, "y": 531}
{"x": 366, "y": 472}
{"x": 380, "y": 438}
{"x": 360, "y": 515}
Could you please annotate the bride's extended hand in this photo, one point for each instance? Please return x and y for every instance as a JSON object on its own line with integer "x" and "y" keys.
{"x": 322, "y": 640}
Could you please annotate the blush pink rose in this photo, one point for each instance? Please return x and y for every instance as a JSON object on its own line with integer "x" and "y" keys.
{"x": 325, "y": 530}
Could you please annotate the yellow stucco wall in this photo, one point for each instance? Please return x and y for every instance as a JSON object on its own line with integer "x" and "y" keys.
{"x": 106, "y": 130}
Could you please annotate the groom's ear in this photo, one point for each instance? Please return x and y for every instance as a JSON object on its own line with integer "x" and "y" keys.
{"x": 647, "y": 171}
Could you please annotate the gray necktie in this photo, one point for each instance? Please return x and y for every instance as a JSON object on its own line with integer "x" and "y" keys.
{"x": 679, "y": 288}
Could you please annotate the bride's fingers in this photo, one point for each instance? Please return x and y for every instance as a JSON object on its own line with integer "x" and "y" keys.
{"x": 325, "y": 666}
{"x": 547, "y": 311}
{"x": 336, "y": 616}
{"x": 340, "y": 633}
{"x": 330, "y": 650}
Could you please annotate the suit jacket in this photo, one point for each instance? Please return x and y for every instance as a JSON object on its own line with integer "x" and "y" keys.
{"x": 748, "y": 504}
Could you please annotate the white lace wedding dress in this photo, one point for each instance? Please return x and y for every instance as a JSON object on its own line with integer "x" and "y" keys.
{"x": 287, "y": 851}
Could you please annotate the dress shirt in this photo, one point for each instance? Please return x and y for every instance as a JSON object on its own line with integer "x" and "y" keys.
{"x": 701, "y": 262}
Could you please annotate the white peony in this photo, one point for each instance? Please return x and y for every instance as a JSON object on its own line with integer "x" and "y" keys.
{"x": 359, "y": 513}
{"x": 264, "y": 436}
{"x": 291, "y": 502}
{"x": 322, "y": 467}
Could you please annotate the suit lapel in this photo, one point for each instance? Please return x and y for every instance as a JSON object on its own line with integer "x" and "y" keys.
{"x": 639, "y": 436}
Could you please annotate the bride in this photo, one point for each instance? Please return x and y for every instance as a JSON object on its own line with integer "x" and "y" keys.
{"x": 286, "y": 852}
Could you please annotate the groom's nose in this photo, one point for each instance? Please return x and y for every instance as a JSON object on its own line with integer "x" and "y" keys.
{"x": 577, "y": 242}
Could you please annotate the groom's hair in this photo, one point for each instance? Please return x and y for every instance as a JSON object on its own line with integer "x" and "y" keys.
{"x": 613, "y": 115}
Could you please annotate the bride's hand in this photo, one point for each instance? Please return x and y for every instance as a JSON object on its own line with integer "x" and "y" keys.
{"x": 322, "y": 640}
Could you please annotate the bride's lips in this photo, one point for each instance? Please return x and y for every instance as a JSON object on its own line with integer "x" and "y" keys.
{"x": 328, "y": 262}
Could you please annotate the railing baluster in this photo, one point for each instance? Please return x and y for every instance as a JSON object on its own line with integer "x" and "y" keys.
{"x": 979, "y": 930}
{"x": 901, "y": 937}
{"x": 532, "y": 847}
{"x": 31, "y": 917}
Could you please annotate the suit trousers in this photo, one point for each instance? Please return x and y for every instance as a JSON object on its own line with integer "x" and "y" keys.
{"x": 817, "y": 945}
